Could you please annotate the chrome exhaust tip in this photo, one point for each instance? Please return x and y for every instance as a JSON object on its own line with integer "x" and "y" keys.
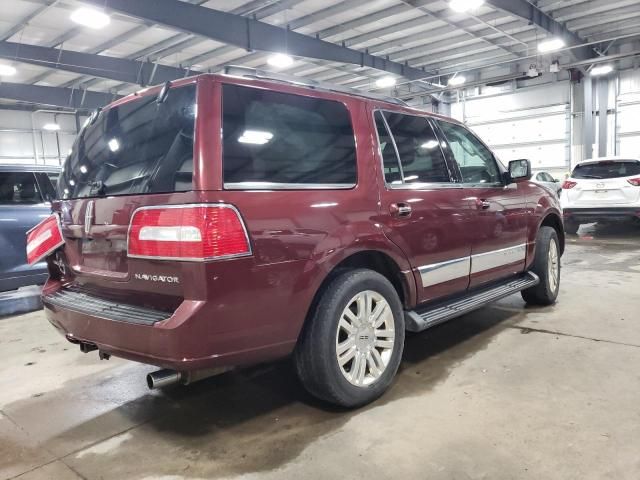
{"x": 163, "y": 378}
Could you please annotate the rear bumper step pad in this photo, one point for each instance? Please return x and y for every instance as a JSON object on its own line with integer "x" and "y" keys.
{"x": 78, "y": 301}
{"x": 431, "y": 315}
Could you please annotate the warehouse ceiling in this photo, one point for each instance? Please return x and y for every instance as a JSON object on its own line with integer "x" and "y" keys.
{"x": 422, "y": 47}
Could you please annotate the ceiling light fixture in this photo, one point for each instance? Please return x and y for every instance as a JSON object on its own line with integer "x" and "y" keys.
{"x": 385, "y": 82}
{"x": 255, "y": 137}
{"x": 90, "y": 17}
{"x": 551, "y": 45}
{"x": 51, "y": 127}
{"x": 280, "y": 60}
{"x": 601, "y": 70}
{"x": 457, "y": 80}
{"x": 7, "y": 70}
{"x": 462, "y": 6}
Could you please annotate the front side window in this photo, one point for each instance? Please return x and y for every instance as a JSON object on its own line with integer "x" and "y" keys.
{"x": 476, "y": 162}
{"x": 390, "y": 162}
{"x": 19, "y": 188}
{"x": 283, "y": 139}
{"x": 421, "y": 158}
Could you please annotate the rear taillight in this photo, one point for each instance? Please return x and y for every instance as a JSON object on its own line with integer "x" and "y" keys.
{"x": 43, "y": 239}
{"x": 568, "y": 184}
{"x": 634, "y": 181}
{"x": 188, "y": 232}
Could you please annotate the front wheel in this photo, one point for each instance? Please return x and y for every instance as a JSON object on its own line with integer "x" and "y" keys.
{"x": 351, "y": 346}
{"x": 546, "y": 265}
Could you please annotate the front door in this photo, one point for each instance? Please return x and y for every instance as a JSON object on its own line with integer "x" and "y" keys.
{"x": 499, "y": 221}
{"x": 423, "y": 210}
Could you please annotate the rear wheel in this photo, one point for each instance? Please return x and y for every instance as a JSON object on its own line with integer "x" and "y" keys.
{"x": 351, "y": 347}
{"x": 546, "y": 265}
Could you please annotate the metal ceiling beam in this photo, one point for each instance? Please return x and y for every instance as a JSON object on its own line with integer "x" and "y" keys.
{"x": 532, "y": 14}
{"x": 248, "y": 33}
{"x": 111, "y": 68}
{"x": 55, "y": 96}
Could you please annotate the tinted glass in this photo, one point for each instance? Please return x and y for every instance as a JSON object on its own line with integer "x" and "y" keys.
{"x": 142, "y": 146}
{"x": 475, "y": 161}
{"x": 390, "y": 161}
{"x": 287, "y": 139}
{"x": 613, "y": 169}
{"x": 419, "y": 149}
{"x": 18, "y": 188}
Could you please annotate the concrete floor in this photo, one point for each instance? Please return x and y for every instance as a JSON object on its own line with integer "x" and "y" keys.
{"x": 505, "y": 392}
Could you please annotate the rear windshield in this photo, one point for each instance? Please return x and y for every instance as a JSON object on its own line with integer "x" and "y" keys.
{"x": 19, "y": 188}
{"x": 613, "y": 169}
{"x": 142, "y": 146}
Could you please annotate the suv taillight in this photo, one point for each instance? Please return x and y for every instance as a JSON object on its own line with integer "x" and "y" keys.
{"x": 634, "y": 181}
{"x": 43, "y": 239}
{"x": 568, "y": 184}
{"x": 188, "y": 232}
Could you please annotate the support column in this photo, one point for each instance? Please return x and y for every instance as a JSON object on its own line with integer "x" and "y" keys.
{"x": 587, "y": 119}
{"x": 603, "y": 108}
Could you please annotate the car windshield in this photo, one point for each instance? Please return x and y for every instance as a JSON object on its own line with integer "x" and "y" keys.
{"x": 607, "y": 169}
{"x": 142, "y": 146}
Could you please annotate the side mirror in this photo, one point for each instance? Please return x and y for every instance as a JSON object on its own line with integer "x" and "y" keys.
{"x": 519, "y": 171}
{"x": 555, "y": 180}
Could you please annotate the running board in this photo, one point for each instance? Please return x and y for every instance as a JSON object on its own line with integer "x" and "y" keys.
{"x": 439, "y": 312}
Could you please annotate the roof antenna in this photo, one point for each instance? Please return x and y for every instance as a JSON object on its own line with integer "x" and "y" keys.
{"x": 164, "y": 93}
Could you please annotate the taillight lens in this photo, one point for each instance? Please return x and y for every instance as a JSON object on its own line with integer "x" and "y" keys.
{"x": 568, "y": 184}
{"x": 188, "y": 232}
{"x": 43, "y": 239}
{"x": 634, "y": 181}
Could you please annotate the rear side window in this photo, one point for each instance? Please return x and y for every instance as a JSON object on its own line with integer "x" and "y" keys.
{"x": 421, "y": 159}
{"x": 612, "y": 169}
{"x": 142, "y": 146}
{"x": 285, "y": 140}
{"x": 19, "y": 188}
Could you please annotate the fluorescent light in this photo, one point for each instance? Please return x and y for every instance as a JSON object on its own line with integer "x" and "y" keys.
{"x": 114, "y": 145}
{"x": 551, "y": 45}
{"x": 601, "y": 70}
{"x": 255, "y": 137}
{"x": 90, "y": 17}
{"x": 386, "y": 82}
{"x": 51, "y": 127}
{"x": 457, "y": 80}
{"x": 411, "y": 177}
{"x": 280, "y": 60}
{"x": 431, "y": 144}
{"x": 465, "y": 5}
{"x": 7, "y": 70}
{"x": 83, "y": 169}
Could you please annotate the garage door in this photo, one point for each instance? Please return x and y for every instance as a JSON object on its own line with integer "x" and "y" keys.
{"x": 628, "y": 125}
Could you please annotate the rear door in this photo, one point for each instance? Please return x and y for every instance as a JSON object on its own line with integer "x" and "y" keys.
{"x": 499, "y": 221}
{"x": 604, "y": 184}
{"x": 21, "y": 207}
{"x": 135, "y": 154}
{"x": 424, "y": 211}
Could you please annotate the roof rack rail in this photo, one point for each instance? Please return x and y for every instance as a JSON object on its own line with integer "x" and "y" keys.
{"x": 250, "y": 72}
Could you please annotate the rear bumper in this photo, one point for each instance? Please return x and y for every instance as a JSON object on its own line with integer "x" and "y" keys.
{"x": 604, "y": 213}
{"x": 190, "y": 338}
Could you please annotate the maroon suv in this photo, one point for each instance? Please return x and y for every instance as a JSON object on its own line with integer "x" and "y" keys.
{"x": 226, "y": 220}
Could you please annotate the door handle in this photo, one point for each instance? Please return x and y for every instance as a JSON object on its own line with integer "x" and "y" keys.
{"x": 400, "y": 210}
{"x": 482, "y": 204}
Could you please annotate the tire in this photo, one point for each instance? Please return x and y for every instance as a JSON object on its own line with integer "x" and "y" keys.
{"x": 545, "y": 263}
{"x": 571, "y": 227}
{"x": 316, "y": 356}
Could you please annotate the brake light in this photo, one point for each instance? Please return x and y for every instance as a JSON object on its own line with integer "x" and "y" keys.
{"x": 634, "y": 181}
{"x": 43, "y": 239}
{"x": 568, "y": 184}
{"x": 188, "y": 232}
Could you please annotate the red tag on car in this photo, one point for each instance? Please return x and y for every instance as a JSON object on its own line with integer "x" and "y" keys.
{"x": 43, "y": 239}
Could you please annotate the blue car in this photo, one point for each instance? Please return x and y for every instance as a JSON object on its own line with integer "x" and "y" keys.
{"x": 26, "y": 192}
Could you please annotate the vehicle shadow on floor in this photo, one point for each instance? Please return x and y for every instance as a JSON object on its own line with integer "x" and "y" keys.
{"x": 253, "y": 419}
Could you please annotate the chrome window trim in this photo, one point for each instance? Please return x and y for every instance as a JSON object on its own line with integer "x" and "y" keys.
{"x": 189, "y": 259}
{"x": 287, "y": 186}
{"x": 409, "y": 186}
